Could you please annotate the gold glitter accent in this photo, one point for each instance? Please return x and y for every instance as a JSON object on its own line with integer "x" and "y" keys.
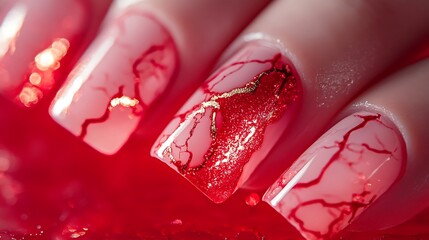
{"x": 168, "y": 152}
{"x": 250, "y": 87}
{"x": 123, "y": 101}
{"x": 213, "y": 125}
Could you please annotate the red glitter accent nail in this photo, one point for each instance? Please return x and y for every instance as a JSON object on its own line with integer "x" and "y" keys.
{"x": 338, "y": 177}
{"x": 233, "y": 122}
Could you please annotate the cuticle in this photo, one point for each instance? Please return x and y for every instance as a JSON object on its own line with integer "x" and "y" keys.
{"x": 263, "y": 38}
{"x": 374, "y": 108}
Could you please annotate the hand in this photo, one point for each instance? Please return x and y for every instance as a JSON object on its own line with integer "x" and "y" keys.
{"x": 317, "y": 89}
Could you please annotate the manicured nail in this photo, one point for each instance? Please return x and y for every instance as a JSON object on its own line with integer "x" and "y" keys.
{"x": 127, "y": 67}
{"x": 227, "y": 127}
{"x": 35, "y": 36}
{"x": 340, "y": 175}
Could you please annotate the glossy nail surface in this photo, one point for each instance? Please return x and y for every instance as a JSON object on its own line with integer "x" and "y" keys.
{"x": 340, "y": 175}
{"x": 127, "y": 67}
{"x": 227, "y": 127}
{"x": 35, "y": 36}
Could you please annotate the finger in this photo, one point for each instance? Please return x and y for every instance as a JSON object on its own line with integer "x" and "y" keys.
{"x": 235, "y": 118}
{"x": 146, "y": 50}
{"x": 404, "y": 96}
{"x": 338, "y": 48}
{"x": 362, "y": 168}
{"x": 38, "y": 40}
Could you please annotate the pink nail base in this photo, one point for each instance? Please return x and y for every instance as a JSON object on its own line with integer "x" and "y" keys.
{"x": 125, "y": 70}
{"x": 340, "y": 175}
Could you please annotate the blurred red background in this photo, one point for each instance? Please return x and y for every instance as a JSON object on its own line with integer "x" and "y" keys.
{"x": 52, "y": 186}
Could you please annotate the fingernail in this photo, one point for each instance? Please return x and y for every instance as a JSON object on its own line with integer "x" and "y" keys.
{"x": 35, "y": 37}
{"x": 127, "y": 67}
{"x": 230, "y": 123}
{"x": 340, "y": 175}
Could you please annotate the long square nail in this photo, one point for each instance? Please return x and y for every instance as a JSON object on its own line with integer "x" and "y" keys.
{"x": 340, "y": 175}
{"x": 124, "y": 71}
{"x": 231, "y": 122}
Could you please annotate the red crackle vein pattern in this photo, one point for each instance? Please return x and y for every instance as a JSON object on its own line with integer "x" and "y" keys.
{"x": 135, "y": 102}
{"x": 125, "y": 70}
{"x": 238, "y": 119}
{"x": 307, "y": 198}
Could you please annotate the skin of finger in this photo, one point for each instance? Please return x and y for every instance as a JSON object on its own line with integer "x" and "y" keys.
{"x": 404, "y": 97}
{"x": 338, "y": 48}
{"x": 99, "y": 9}
{"x": 201, "y": 30}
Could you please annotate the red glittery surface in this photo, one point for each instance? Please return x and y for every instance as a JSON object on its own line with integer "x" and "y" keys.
{"x": 238, "y": 116}
{"x": 230, "y": 123}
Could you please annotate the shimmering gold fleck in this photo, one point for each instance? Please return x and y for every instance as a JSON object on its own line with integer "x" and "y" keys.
{"x": 123, "y": 101}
